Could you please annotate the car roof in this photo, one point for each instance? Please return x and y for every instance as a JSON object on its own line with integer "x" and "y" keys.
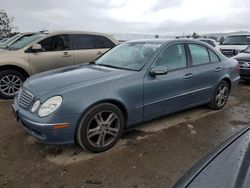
{"x": 239, "y": 34}
{"x": 206, "y": 39}
{"x": 80, "y": 32}
{"x": 167, "y": 40}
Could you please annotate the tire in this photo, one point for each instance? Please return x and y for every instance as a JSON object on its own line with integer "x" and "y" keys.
{"x": 10, "y": 82}
{"x": 94, "y": 128}
{"x": 220, "y": 95}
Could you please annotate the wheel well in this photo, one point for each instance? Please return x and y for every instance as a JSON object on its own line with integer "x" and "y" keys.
{"x": 121, "y": 107}
{"x": 114, "y": 102}
{"x": 13, "y": 67}
{"x": 228, "y": 81}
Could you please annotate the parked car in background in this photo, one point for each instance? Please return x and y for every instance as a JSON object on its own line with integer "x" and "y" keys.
{"x": 46, "y": 51}
{"x": 14, "y": 39}
{"x": 225, "y": 167}
{"x": 3, "y": 39}
{"x": 243, "y": 59}
{"x": 211, "y": 42}
{"x": 234, "y": 44}
{"x": 134, "y": 82}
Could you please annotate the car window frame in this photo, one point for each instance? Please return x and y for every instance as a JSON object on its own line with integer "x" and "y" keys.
{"x": 162, "y": 51}
{"x": 207, "y": 49}
{"x": 100, "y": 37}
{"x": 29, "y": 49}
{"x": 215, "y": 54}
{"x": 96, "y": 42}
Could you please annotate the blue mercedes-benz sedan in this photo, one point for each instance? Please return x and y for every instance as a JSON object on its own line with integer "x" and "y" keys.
{"x": 136, "y": 81}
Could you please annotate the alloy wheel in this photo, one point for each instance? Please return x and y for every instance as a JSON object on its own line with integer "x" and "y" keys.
{"x": 221, "y": 95}
{"x": 103, "y": 129}
{"x": 10, "y": 84}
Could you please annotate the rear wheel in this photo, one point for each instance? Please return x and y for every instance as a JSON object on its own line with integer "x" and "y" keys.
{"x": 220, "y": 96}
{"x": 10, "y": 83}
{"x": 100, "y": 128}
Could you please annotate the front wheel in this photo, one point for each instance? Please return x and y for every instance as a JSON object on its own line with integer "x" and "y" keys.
{"x": 100, "y": 128}
{"x": 219, "y": 98}
{"x": 10, "y": 82}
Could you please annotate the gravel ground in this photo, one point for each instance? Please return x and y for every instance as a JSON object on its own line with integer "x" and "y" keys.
{"x": 153, "y": 154}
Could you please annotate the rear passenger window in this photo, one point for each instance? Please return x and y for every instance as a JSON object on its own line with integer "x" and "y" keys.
{"x": 104, "y": 42}
{"x": 173, "y": 57}
{"x": 199, "y": 54}
{"x": 213, "y": 57}
{"x": 84, "y": 41}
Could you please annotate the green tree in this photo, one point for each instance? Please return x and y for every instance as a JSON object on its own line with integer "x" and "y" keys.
{"x": 5, "y": 24}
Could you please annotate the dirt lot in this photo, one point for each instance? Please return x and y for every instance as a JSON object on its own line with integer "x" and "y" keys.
{"x": 153, "y": 154}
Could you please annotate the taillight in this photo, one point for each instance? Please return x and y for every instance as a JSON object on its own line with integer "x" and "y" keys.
{"x": 238, "y": 68}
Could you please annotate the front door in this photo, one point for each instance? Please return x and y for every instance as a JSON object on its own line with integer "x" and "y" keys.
{"x": 56, "y": 52}
{"x": 168, "y": 93}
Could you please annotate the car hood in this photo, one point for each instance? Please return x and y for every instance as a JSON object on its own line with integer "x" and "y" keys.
{"x": 242, "y": 57}
{"x": 69, "y": 76}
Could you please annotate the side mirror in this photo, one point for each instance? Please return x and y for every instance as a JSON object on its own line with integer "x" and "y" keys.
{"x": 160, "y": 70}
{"x": 36, "y": 48}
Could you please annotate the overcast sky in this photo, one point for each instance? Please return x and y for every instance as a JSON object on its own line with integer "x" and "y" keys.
{"x": 130, "y": 16}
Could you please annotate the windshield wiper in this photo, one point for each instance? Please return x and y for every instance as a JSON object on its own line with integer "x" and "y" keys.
{"x": 123, "y": 68}
{"x": 105, "y": 65}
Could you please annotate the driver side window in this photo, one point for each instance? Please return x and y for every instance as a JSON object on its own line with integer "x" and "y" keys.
{"x": 173, "y": 57}
{"x": 55, "y": 43}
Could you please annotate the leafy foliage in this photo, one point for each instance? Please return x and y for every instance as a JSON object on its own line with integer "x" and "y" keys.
{"x": 5, "y": 24}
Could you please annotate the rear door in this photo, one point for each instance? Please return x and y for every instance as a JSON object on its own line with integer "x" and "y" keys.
{"x": 89, "y": 47}
{"x": 56, "y": 52}
{"x": 206, "y": 72}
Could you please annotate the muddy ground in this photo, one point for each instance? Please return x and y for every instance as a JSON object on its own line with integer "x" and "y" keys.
{"x": 153, "y": 154}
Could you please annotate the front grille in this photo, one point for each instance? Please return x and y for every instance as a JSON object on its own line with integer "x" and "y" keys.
{"x": 25, "y": 98}
{"x": 229, "y": 52}
{"x": 244, "y": 64}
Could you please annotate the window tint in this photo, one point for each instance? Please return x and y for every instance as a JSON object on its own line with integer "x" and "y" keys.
{"x": 104, "y": 42}
{"x": 173, "y": 57}
{"x": 199, "y": 54}
{"x": 56, "y": 43}
{"x": 84, "y": 42}
{"x": 214, "y": 58}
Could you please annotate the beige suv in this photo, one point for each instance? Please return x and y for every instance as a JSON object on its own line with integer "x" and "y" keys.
{"x": 45, "y": 51}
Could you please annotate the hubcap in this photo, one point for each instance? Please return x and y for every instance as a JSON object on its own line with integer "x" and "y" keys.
{"x": 103, "y": 128}
{"x": 221, "y": 95}
{"x": 10, "y": 84}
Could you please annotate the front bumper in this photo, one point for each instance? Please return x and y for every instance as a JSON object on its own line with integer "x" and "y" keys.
{"x": 44, "y": 128}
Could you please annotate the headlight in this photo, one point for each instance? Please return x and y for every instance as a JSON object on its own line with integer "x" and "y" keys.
{"x": 35, "y": 106}
{"x": 50, "y": 106}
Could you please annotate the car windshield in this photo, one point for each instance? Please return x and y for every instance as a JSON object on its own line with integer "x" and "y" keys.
{"x": 237, "y": 40}
{"x": 25, "y": 41}
{"x": 247, "y": 50}
{"x": 10, "y": 39}
{"x": 130, "y": 56}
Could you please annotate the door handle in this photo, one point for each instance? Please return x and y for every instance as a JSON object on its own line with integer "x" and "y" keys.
{"x": 189, "y": 75}
{"x": 99, "y": 53}
{"x": 66, "y": 54}
{"x": 217, "y": 69}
